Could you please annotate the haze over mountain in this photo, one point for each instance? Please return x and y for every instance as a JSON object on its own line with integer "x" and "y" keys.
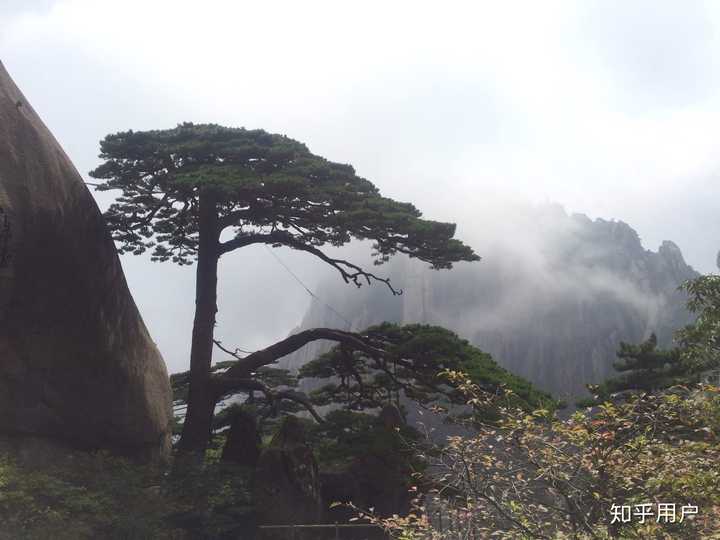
{"x": 551, "y": 300}
{"x": 610, "y": 108}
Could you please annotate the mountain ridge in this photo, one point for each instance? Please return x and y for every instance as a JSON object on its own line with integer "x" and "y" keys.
{"x": 551, "y": 300}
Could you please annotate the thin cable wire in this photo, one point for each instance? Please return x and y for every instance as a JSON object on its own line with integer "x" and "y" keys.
{"x": 238, "y": 350}
{"x": 312, "y": 294}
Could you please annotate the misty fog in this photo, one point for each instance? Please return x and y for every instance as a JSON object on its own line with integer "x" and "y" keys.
{"x": 607, "y": 108}
{"x": 552, "y": 299}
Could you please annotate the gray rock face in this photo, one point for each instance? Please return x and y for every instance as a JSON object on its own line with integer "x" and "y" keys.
{"x": 287, "y": 482}
{"x": 76, "y": 361}
{"x": 378, "y": 478}
{"x": 551, "y": 300}
{"x": 243, "y": 442}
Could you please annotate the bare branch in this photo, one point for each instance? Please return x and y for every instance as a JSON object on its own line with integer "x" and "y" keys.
{"x": 225, "y": 382}
{"x": 303, "y": 400}
{"x": 348, "y": 271}
{"x": 272, "y": 397}
{"x": 235, "y": 354}
{"x": 231, "y": 219}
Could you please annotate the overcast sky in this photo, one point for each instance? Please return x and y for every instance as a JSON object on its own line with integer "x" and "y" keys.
{"x": 609, "y": 108}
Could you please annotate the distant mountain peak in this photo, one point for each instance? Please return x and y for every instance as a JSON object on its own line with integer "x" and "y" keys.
{"x": 554, "y": 296}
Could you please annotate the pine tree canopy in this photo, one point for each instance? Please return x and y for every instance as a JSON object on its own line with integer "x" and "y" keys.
{"x": 645, "y": 357}
{"x": 266, "y": 188}
{"x": 414, "y": 358}
{"x": 644, "y": 367}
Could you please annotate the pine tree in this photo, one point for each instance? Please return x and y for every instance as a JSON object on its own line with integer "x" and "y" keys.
{"x": 645, "y": 367}
{"x": 183, "y": 188}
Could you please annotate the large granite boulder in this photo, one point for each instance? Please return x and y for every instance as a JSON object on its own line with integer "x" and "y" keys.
{"x": 76, "y": 361}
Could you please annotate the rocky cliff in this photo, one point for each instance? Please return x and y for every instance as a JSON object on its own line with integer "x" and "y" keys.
{"x": 76, "y": 361}
{"x": 551, "y": 300}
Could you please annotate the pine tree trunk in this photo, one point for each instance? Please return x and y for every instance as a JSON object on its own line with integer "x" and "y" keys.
{"x": 201, "y": 400}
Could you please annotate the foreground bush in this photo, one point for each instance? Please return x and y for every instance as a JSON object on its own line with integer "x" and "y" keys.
{"x": 93, "y": 495}
{"x": 590, "y": 476}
